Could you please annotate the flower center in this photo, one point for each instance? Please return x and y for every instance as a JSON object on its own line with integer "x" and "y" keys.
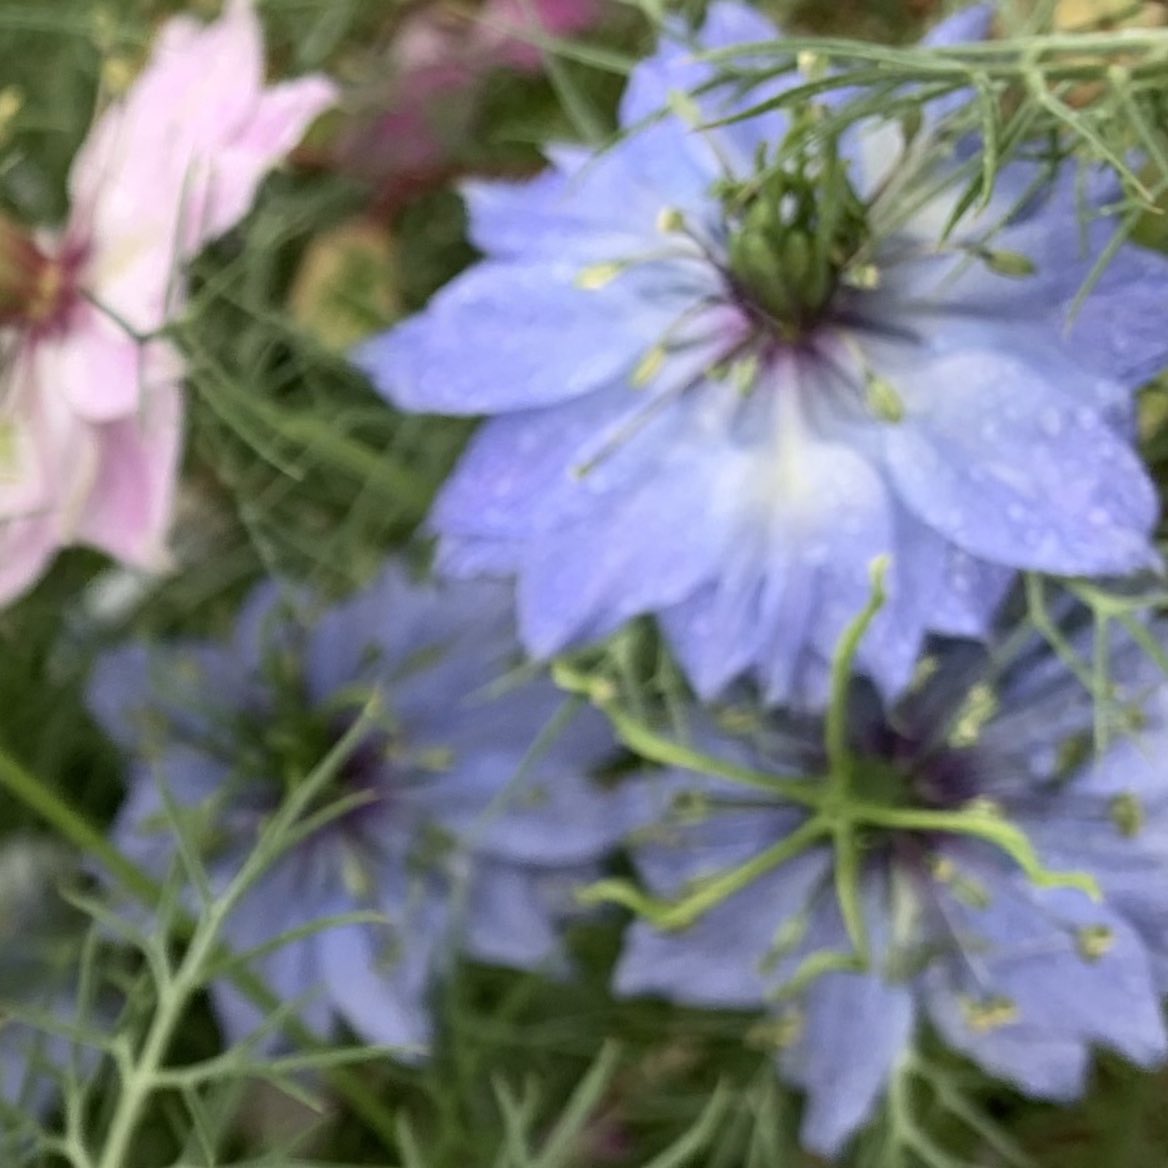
{"x": 35, "y": 288}
{"x": 796, "y": 232}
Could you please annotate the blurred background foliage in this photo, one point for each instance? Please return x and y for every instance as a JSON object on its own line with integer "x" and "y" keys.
{"x": 295, "y": 467}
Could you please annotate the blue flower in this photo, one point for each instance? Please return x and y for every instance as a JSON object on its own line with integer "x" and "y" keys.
{"x": 1023, "y": 971}
{"x": 463, "y": 830}
{"x": 716, "y": 392}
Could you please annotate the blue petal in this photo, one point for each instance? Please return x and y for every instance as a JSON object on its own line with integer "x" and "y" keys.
{"x": 967, "y": 26}
{"x": 188, "y": 684}
{"x": 790, "y": 584}
{"x": 426, "y": 644}
{"x": 720, "y": 960}
{"x": 380, "y": 985}
{"x": 520, "y": 476}
{"x": 668, "y": 152}
{"x": 467, "y": 557}
{"x": 1080, "y": 831}
{"x": 1023, "y": 948}
{"x": 651, "y": 549}
{"x": 854, "y": 1029}
{"x": 515, "y": 916}
{"x": 1011, "y": 470}
{"x": 588, "y": 208}
{"x": 857, "y": 1028}
{"x": 1118, "y": 329}
{"x": 143, "y": 830}
{"x": 513, "y": 336}
{"x": 282, "y": 901}
{"x": 548, "y": 812}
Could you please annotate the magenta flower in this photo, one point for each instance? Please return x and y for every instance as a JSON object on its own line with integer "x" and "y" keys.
{"x": 415, "y": 125}
{"x": 92, "y": 408}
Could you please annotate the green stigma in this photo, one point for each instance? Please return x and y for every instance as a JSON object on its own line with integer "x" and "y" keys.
{"x": 798, "y": 229}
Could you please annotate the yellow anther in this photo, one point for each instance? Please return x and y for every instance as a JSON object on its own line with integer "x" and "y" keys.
{"x": 649, "y": 366}
{"x": 865, "y": 277}
{"x": 598, "y": 276}
{"x": 980, "y": 705}
{"x": 1094, "y": 942}
{"x": 883, "y": 400}
{"x": 990, "y": 1014}
{"x": 811, "y": 64}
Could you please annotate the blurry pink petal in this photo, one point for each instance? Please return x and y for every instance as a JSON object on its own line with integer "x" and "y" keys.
{"x": 414, "y": 127}
{"x": 277, "y": 123}
{"x": 177, "y": 162}
{"x": 45, "y": 452}
{"x": 26, "y": 548}
{"x": 96, "y": 365}
{"x": 509, "y": 30}
{"x": 129, "y": 508}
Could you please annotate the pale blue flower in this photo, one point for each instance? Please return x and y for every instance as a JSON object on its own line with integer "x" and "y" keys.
{"x": 711, "y": 399}
{"x": 1023, "y": 979}
{"x": 470, "y": 834}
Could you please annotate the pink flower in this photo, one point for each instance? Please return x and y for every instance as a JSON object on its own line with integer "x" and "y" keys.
{"x": 91, "y": 405}
{"x": 413, "y": 126}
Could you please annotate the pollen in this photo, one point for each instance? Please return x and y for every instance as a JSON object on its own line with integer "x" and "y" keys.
{"x": 1094, "y": 942}
{"x": 648, "y": 367}
{"x": 598, "y": 276}
{"x": 989, "y": 1014}
{"x": 979, "y": 707}
{"x": 883, "y": 400}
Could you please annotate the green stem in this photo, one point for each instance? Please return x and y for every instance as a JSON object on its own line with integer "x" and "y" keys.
{"x": 74, "y": 827}
{"x": 709, "y": 892}
{"x": 657, "y": 748}
{"x": 981, "y": 825}
{"x": 848, "y": 888}
{"x": 842, "y": 669}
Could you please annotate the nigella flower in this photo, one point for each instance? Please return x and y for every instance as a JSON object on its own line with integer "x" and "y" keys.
{"x": 718, "y": 385}
{"x": 91, "y": 410}
{"x": 466, "y": 829}
{"x": 1009, "y": 883}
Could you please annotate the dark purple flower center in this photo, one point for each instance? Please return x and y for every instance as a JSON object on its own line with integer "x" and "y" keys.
{"x": 921, "y": 772}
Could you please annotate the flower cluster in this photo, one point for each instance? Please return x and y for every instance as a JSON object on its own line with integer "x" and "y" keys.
{"x": 771, "y": 384}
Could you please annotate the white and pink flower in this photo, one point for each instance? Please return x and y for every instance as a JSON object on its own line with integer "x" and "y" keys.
{"x": 91, "y": 410}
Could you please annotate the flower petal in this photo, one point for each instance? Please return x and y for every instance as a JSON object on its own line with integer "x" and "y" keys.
{"x": 130, "y": 505}
{"x": 513, "y": 336}
{"x": 379, "y": 983}
{"x": 1011, "y": 470}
